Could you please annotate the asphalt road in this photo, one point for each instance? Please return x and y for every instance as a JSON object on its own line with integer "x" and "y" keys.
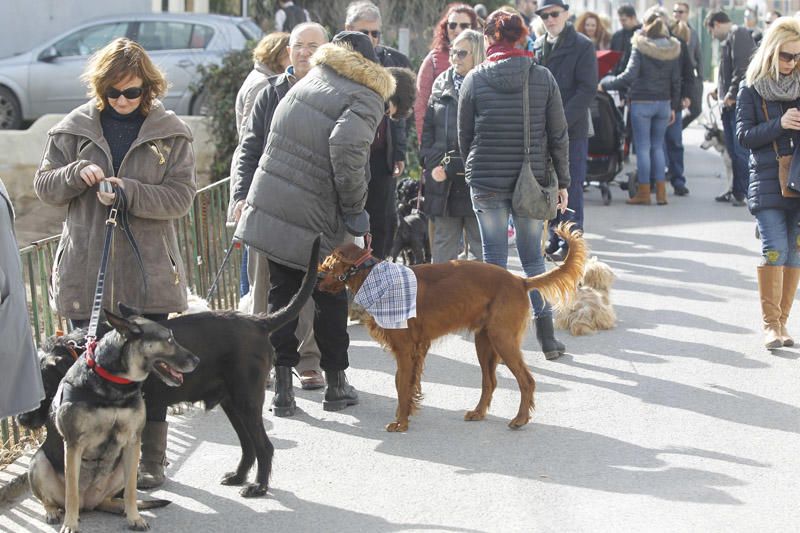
{"x": 677, "y": 420}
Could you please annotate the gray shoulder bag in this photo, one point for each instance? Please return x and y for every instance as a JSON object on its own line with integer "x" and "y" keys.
{"x": 531, "y": 199}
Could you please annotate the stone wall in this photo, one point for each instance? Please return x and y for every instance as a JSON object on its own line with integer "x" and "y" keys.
{"x": 20, "y": 154}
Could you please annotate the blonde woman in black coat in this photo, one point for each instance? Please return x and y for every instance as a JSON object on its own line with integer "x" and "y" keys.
{"x": 767, "y": 123}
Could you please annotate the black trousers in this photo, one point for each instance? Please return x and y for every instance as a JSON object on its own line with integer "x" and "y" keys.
{"x": 154, "y": 413}
{"x": 381, "y": 205}
{"x": 696, "y": 107}
{"x": 330, "y": 321}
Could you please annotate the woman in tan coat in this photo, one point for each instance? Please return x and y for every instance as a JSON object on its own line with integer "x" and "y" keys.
{"x": 124, "y": 136}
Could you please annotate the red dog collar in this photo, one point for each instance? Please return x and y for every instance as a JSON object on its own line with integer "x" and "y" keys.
{"x": 99, "y": 370}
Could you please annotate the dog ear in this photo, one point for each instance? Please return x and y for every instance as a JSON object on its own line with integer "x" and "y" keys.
{"x": 127, "y": 311}
{"x": 124, "y": 326}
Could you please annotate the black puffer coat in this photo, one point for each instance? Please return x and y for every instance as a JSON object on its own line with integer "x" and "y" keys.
{"x": 440, "y": 135}
{"x": 490, "y": 126}
{"x": 757, "y": 134}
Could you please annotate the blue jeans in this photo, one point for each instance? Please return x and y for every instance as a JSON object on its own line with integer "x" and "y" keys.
{"x": 244, "y": 281}
{"x": 780, "y": 237}
{"x": 649, "y": 120}
{"x": 673, "y": 147}
{"x": 739, "y": 154}
{"x": 492, "y": 210}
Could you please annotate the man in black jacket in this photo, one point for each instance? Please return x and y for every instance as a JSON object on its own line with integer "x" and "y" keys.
{"x": 570, "y": 57}
{"x": 680, "y": 12}
{"x": 303, "y": 42}
{"x": 387, "y": 158}
{"x": 735, "y": 51}
{"x": 621, "y": 40}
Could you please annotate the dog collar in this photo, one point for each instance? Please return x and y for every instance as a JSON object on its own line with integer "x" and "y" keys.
{"x": 99, "y": 370}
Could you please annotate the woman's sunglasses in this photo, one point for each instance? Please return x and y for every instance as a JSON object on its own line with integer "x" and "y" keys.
{"x": 131, "y": 93}
{"x": 462, "y": 25}
{"x": 786, "y": 56}
{"x": 376, "y": 34}
{"x": 461, "y": 54}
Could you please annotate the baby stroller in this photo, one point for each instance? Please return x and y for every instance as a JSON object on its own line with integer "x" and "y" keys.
{"x": 606, "y": 145}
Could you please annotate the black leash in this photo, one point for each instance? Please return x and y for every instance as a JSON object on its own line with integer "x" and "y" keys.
{"x": 228, "y": 252}
{"x": 117, "y": 216}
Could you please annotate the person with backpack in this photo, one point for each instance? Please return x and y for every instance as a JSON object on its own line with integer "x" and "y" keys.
{"x": 290, "y": 15}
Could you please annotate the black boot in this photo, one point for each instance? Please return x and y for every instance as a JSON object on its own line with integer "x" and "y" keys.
{"x": 283, "y": 402}
{"x": 339, "y": 393}
{"x": 547, "y": 339}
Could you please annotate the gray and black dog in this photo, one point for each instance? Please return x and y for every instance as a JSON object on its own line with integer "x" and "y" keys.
{"x": 99, "y": 413}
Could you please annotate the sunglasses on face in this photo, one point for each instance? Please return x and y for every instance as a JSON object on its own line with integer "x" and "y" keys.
{"x": 554, "y": 14}
{"x": 376, "y": 34}
{"x": 461, "y": 54}
{"x": 131, "y": 93}
{"x": 786, "y": 56}
{"x": 462, "y": 25}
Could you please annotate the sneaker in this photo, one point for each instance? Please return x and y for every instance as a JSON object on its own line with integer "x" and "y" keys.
{"x": 512, "y": 236}
{"x": 725, "y": 197}
{"x": 680, "y": 190}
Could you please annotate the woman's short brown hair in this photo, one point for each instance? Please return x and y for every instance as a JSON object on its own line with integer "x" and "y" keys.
{"x": 117, "y": 61}
{"x": 269, "y": 50}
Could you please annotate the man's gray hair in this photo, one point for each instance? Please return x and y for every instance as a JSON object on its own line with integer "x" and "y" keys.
{"x": 361, "y": 10}
{"x": 306, "y": 25}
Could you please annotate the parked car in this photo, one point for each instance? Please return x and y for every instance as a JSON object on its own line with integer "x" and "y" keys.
{"x": 47, "y": 78}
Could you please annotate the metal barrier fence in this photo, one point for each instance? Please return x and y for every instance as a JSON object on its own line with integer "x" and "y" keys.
{"x": 203, "y": 238}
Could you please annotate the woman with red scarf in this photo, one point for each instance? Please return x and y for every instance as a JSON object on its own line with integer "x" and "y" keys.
{"x": 457, "y": 18}
{"x": 491, "y": 140}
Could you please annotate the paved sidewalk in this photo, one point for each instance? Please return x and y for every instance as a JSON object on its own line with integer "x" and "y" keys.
{"x": 677, "y": 420}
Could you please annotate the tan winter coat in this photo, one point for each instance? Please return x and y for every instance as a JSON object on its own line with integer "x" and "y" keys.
{"x": 159, "y": 179}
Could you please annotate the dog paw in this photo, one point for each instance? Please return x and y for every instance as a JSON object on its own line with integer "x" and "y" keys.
{"x": 69, "y": 528}
{"x": 397, "y": 427}
{"x": 54, "y": 517}
{"x": 138, "y": 524}
{"x": 471, "y": 416}
{"x": 232, "y": 478}
{"x": 518, "y": 422}
{"x": 253, "y": 491}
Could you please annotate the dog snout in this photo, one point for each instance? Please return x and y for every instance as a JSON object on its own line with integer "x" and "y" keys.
{"x": 34, "y": 419}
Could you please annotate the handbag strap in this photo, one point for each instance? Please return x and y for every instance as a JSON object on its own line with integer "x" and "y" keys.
{"x": 526, "y": 123}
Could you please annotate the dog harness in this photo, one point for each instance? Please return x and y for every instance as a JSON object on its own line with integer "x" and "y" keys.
{"x": 389, "y": 294}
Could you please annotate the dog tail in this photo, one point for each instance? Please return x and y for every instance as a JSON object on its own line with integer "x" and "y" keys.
{"x": 117, "y": 505}
{"x": 559, "y": 284}
{"x": 278, "y": 318}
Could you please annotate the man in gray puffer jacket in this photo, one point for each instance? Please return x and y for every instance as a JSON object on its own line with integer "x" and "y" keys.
{"x": 312, "y": 179}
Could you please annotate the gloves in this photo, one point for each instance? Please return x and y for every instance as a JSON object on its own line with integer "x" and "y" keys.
{"x": 357, "y": 224}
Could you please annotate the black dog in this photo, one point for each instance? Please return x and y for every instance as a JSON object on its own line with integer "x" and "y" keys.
{"x": 235, "y": 359}
{"x": 411, "y": 243}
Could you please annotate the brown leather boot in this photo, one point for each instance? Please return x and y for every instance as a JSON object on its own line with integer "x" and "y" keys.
{"x": 661, "y": 192}
{"x": 154, "y": 456}
{"x": 642, "y": 195}
{"x": 770, "y": 287}
{"x": 791, "y": 276}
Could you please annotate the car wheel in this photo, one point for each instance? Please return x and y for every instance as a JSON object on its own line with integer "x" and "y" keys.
{"x": 10, "y": 110}
{"x": 200, "y": 103}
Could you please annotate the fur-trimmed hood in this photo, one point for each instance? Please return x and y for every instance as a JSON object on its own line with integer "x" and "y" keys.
{"x": 661, "y": 48}
{"x": 356, "y": 67}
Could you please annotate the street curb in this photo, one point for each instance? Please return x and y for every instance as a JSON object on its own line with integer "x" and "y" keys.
{"x": 14, "y": 478}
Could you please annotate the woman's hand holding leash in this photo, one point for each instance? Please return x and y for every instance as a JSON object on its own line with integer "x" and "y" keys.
{"x": 106, "y": 194}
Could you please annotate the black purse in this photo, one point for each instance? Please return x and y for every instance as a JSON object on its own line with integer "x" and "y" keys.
{"x": 452, "y": 162}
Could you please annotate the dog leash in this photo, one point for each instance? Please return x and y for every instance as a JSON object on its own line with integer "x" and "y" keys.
{"x": 225, "y": 259}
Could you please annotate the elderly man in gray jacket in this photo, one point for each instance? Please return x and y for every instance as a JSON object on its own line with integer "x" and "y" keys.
{"x": 312, "y": 179}
{"x": 20, "y": 380}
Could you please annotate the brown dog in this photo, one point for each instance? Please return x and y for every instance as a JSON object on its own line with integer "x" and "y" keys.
{"x": 459, "y": 295}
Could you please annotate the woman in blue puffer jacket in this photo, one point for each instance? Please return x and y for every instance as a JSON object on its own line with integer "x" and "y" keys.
{"x": 767, "y": 123}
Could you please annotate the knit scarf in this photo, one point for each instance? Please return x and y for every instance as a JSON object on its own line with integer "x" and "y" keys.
{"x": 502, "y": 50}
{"x": 784, "y": 89}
